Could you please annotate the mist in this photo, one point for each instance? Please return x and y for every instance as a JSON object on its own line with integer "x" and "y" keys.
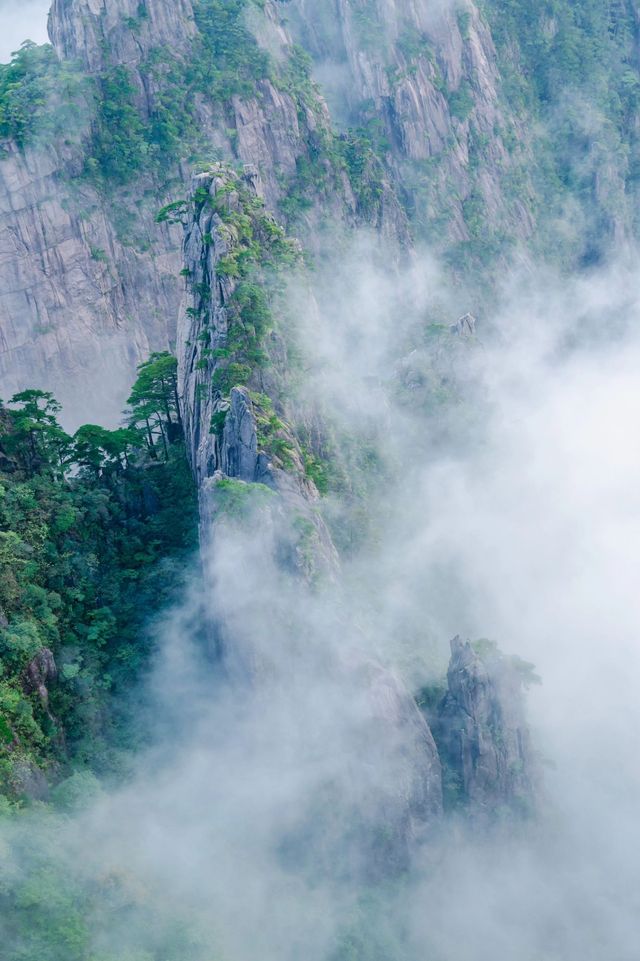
{"x": 20, "y": 21}
{"x": 510, "y": 511}
{"x": 489, "y": 487}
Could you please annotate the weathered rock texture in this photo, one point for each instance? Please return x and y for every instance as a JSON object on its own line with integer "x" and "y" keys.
{"x": 482, "y": 734}
{"x": 41, "y": 672}
{"x": 100, "y": 33}
{"x": 384, "y": 799}
{"x": 89, "y": 283}
{"x": 433, "y": 80}
{"x": 81, "y": 303}
{"x": 78, "y": 307}
{"x": 392, "y": 791}
{"x": 222, "y": 428}
{"x": 392, "y": 794}
{"x": 398, "y": 741}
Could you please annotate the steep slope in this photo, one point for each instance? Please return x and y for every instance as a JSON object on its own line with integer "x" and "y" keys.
{"x": 243, "y": 436}
{"x": 81, "y": 302}
{"x": 487, "y": 132}
{"x": 424, "y": 81}
{"x": 97, "y": 532}
{"x": 251, "y": 472}
{"x": 99, "y": 33}
{"x": 505, "y": 127}
{"x": 482, "y": 734}
{"x": 86, "y": 191}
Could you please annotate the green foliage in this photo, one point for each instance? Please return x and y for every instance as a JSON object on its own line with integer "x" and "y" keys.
{"x": 273, "y": 437}
{"x": 251, "y": 320}
{"x": 356, "y": 152}
{"x": 461, "y": 101}
{"x": 571, "y": 71}
{"x": 39, "y": 95}
{"x": 464, "y": 23}
{"x": 489, "y": 651}
{"x": 154, "y": 405}
{"x": 120, "y": 143}
{"x": 227, "y": 59}
{"x": 54, "y": 907}
{"x": 24, "y": 88}
{"x": 318, "y": 470}
{"x": 102, "y": 451}
{"x": 361, "y": 151}
{"x": 93, "y": 530}
{"x": 258, "y": 250}
{"x": 370, "y": 26}
{"x": 36, "y": 441}
{"x": 239, "y": 501}
{"x": 173, "y": 213}
{"x": 230, "y": 375}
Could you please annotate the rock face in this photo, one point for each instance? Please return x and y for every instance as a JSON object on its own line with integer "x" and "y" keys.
{"x": 482, "y": 735}
{"x": 89, "y": 282}
{"x": 78, "y": 306}
{"x": 384, "y": 800}
{"x": 82, "y": 294}
{"x": 203, "y": 331}
{"x": 432, "y": 77}
{"x": 40, "y": 672}
{"x": 99, "y": 33}
{"x": 82, "y": 301}
{"x": 399, "y": 741}
{"x": 392, "y": 793}
{"x": 222, "y": 426}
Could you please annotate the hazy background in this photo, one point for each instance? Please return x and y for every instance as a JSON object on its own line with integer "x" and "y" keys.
{"x": 21, "y": 20}
{"x": 514, "y": 514}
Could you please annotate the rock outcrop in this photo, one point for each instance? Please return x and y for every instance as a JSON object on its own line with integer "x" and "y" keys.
{"x": 383, "y": 799}
{"x": 398, "y": 741}
{"x": 392, "y": 792}
{"x": 40, "y": 673}
{"x": 233, "y": 430}
{"x": 449, "y": 155}
{"x": 482, "y": 735}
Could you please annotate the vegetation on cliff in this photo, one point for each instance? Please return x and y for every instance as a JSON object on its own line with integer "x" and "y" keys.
{"x": 572, "y": 68}
{"x": 95, "y": 532}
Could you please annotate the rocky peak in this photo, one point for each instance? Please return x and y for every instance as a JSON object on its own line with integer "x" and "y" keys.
{"x": 99, "y": 33}
{"x": 428, "y": 74}
{"x": 238, "y": 431}
{"x": 481, "y": 730}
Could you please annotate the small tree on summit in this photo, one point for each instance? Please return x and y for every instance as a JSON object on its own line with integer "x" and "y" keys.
{"x": 154, "y": 401}
{"x": 101, "y": 451}
{"x": 36, "y": 439}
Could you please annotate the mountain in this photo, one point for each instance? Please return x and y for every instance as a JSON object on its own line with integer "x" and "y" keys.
{"x": 226, "y": 713}
{"x": 463, "y": 128}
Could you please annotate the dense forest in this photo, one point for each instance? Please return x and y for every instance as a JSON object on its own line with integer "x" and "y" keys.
{"x": 97, "y": 530}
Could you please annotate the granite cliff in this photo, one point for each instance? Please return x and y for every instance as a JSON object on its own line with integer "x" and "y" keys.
{"x": 436, "y": 129}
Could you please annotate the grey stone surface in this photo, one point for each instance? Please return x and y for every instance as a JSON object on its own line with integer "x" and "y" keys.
{"x": 482, "y": 734}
